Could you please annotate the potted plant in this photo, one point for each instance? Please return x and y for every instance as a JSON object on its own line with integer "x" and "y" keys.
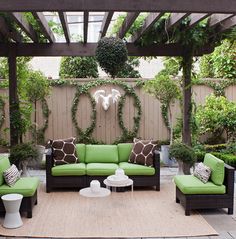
{"x": 184, "y": 155}
{"x": 167, "y": 91}
{"x": 22, "y": 154}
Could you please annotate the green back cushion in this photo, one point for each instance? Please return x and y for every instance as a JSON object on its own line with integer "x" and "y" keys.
{"x": 217, "y": 168}
{"x": 124, "y": 151}
{"x": 101, "y": 154}
{"x": 4, "y": 164}
{"x": 80, "y": 152}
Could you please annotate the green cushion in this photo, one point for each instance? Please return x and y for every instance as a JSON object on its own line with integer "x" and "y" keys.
{"x": 136, "y": 169}
{"x": 189, "y": 184}
{"x": 101, "y": 154}
{"x": 124, "y": 151}
{"x": 4, "y": 164}
{"x": 25, "y": 186}
{"x": 101, "y": 169}
{"x": 80, "y": 152}
{"x": 76, "y": 169}
{"x": 217, "y": 168}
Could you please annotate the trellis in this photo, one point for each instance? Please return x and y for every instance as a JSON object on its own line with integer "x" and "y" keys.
{"x": 220, "y": 14}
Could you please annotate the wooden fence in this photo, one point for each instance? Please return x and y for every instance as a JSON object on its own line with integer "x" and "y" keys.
{"x": 107, "y": 128}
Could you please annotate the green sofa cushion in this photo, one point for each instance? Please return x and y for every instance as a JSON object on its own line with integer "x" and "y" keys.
{"x": 4, "y": 164}
{"x": 135, "y": 169}
{"x": 101, "y": 154}
{"x": 101, "y": 169}
{"x": 25, "y": 186}
{"x": 189, "y": 184}
{"x": 124, "y": 151}
{"x": 80, "y": 152}
{"x": 75, "y": 169}
{"x": 217, "y": 168}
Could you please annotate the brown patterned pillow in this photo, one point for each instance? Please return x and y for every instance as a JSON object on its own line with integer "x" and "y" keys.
{"x": 142, "y": 152}
{"x": 64, "y": 151}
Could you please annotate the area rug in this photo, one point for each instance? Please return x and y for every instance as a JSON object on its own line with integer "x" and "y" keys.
{"x": 123, "y": 214}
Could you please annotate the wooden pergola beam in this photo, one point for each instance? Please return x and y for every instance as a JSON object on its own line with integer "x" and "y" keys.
{"x": 195, "y": 18}
{"x": 9, "y": 33}
{"x": 216, "y": 19}
{"x": 195, "y": 6}
{"x": 46, "y": 30}
{"x": 105, "y": 23}
{"x": 80, "y": 49}
{"x": 150, "y": 20}
{"x": 128, "y": 21}
{"x": 226, "y": 25}
{"x": 65, "y": 27}
{"x": 86, "y": 17}
{"x": 24, "y": 25}
{"x": 174, "y": 19}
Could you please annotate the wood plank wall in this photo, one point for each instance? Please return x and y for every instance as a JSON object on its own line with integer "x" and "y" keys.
{"x": 107, "y": 128}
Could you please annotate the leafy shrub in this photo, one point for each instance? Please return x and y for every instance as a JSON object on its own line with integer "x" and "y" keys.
{"x": 182, "y": 152}
{"x": 129, "y": 69}
{"x": 227, "y": 158}
{"x": 111, "y": 54}
{"x": 78, "y": 67}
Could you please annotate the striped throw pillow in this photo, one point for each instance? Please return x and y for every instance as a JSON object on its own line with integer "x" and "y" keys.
{"x": 11, "y": 175}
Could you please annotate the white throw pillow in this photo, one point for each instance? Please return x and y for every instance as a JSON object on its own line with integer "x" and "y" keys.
{"x": 202, "y": 172}
{"x": 11, "y": 175}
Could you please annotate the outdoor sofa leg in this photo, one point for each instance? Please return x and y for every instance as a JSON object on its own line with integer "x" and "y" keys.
{"x": 187, "y": 212}
{"x": 157, "y": 187}
{"x": 230, "y": 210}
{"x": 36, "y": 202}
{"x": 177, "y": 200}
{"x": 29, "y": 214}
{"x": 48, "y": 189}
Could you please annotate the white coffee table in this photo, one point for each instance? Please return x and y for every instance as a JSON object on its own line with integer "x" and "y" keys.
{"x": 12, "y": 204}
{"x": 110, "y": 185}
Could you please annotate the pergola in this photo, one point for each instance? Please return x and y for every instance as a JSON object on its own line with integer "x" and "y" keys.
{"x": 220, "y": 14}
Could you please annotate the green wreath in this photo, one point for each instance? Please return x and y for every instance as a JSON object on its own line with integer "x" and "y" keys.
{"x": 86, "y": 135}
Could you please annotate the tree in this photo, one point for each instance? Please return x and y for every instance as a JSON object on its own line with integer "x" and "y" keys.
{"x": 78, "y": 67}
{"x": 167, "y": 91}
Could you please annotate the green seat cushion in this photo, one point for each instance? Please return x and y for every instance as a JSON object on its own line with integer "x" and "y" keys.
{"x": 136, "y": 169}
{"x": 189, "y": 184}
{"x": 101, "y": 169}
{"x": 124, "y": 151}
{"x": 4, "y": 164}
{"x": 25, "y": 186}
{"x": 80, "y": 152}
{"x": 217, "y": 168}
{"x": 75, "y": 169}
{"x": 101, "y": 154}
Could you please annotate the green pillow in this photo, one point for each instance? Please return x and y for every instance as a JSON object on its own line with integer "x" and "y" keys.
{"x": 101, "y": 154}
{"x": 124, "y": 151}
{"x": 217, "y": 168}
{"x": 80, "y": 152}
{"x": 4, "y": 165}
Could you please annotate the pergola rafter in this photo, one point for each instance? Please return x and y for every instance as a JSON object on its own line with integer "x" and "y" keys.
{"x": 174, "y": 19}
{"x": 24, "y": 25}
{"x": 86, "y": 17}
{"x": 47, "y": 32}
{"x": 216, "y": 19}
{"x": 105, "y": 23}
{"x": 195, "y": 18}
{"x": 226, "y": 24}
{"x": 65, "y": 27}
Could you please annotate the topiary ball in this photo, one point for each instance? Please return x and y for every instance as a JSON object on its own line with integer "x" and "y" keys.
{"x": 111, "y": 54}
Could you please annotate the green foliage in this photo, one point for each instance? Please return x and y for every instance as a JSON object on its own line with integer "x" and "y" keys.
{"x": 182, "y": 152}
{"x": 23, "y": 152}
{"x": 78, "y": 67}
{"x": 221, "y": 63}
{"x": 111, "y": 54}
{"x": 227, "y": 158}
{"x": 129, "y": 69}
{"x": 216, "y": 116}
{"x": 86, "y": 135}
{"x": 2, "y": 112}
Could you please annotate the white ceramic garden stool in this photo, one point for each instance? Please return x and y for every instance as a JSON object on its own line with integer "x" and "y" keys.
{"x": 12, "y": 204}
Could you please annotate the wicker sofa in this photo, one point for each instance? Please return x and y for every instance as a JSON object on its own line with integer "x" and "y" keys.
{"x": 27, "y": 186}
{"x": 218, "y": 192}
{"x": 98, "y": 162}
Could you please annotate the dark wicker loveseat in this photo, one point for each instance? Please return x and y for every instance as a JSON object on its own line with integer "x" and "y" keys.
{"x": 207, "y": 201}
{"x": 142, "y": 175}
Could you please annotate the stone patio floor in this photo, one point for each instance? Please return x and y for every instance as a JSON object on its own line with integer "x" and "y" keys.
{"x": 223, "y": 223}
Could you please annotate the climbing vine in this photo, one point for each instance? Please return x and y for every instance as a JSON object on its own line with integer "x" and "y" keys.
{"x": 86, "y": 135}
{"x": 2, "y": 113}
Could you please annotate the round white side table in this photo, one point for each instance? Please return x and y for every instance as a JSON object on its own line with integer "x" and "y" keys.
{"x": 12, "y": 204}
{"x": 127, "y": 183}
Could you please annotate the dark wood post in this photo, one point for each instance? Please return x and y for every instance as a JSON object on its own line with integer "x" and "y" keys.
{"x": 187, "y": 95}
{"x": 13, "y": 97}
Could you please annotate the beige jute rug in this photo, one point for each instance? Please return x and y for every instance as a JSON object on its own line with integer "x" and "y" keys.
{"x": 141, "y": 214}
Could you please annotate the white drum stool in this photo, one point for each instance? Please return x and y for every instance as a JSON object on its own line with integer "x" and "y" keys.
{"x": 12, "y": 204}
